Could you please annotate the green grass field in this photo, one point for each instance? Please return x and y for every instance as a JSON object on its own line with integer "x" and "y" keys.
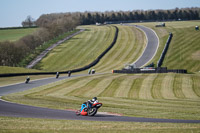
{"x": 14, "y": 34}
{"x": 27, "y": 125}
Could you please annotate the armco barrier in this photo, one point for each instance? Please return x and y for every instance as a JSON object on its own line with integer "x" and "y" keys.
{"x": 156, "y": 70}
{"x": 74, "y": 70}
{"x": 160, "y": 61}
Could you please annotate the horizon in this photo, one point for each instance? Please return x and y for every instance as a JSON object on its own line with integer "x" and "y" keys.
{"x": 14, "y": 12}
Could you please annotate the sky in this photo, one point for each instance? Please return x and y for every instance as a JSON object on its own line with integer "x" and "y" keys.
{"x": 13, "y": 12}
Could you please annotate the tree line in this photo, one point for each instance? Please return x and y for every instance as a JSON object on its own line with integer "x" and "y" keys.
{"x": 141, "y": 15}
{"x": 50, "y": 26}
{"x": 55, "y": 24}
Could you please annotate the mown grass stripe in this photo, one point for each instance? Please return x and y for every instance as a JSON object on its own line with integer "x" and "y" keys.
{"x": 110, "y": 36}
{"x": 50, "y": 90}
{"x": 145, "y": 90}
{"x": 124, "y": 88}
{"x": 83, "y": 86}
{"x": 66, "y": 89}
{"x": 156, "y": 88}
{"x": 181, "y": 49}
{"x": 139, "y": 45}
{"x": 112, "y": 87}
{"x": 123, "y": 46}
{"x": 65, "y": 52}
{"x": 177, "y": 85}
{"x": 196, "y": 85}
{"x": 167, "y": 87}
{"x": 79, "y": 57}
{"x": 182, "y": 54}
{"x": 135, "y": 88}
{"x": 114, "y": 53}
{"x": 187, "y": 87}
{"x": 90, "y": 85}
{"x": 100, "y": 87}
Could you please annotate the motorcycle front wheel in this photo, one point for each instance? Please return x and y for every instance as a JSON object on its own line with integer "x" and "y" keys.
{"x": 78, "y": 112}
{"x": 92, "y": 111}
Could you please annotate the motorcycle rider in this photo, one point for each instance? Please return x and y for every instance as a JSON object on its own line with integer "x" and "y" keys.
{"x": 57, "y": 75}
{"x": 89, "y": 103}
{"x": 27, "y": 80}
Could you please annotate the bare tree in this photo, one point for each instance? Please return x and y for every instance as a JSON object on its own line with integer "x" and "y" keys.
{"x": 28, "y": 22}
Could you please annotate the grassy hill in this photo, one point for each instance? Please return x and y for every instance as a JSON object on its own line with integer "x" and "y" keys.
{"x": 184, "y": 49}
{"x": 84, "y": 48}
{"x": 80, "y": 50}
{"x": 14, "y": 34}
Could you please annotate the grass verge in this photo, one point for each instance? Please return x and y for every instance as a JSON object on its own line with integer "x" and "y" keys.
{"x": 24, "y": 125}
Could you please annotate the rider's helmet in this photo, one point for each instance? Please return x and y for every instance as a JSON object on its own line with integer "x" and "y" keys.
{"x": 94, "y": 99}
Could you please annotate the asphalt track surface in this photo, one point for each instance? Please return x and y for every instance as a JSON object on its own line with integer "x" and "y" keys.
{"x": 19, "y": 110}
{"x": 151, "y": 46}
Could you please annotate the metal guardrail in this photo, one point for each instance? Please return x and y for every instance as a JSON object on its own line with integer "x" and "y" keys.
{"x": 160, "y": 61}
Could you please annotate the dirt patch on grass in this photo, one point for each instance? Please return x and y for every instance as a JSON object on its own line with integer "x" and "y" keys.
{"x": 196, "y": 55}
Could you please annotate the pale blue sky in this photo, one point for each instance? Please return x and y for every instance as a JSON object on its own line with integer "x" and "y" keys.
{"x": 13, "y": 12}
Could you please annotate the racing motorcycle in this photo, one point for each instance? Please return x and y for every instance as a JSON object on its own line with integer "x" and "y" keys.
{"x": 27, "y": 80}
{"x": 91, "y": 111}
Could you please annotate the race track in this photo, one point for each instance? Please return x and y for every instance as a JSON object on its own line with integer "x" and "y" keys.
{"x": 18, "y": 110}
{"x": 151, "y": 46}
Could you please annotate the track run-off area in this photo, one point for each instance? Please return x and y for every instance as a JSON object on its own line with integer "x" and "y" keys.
{"x": 132, "y": 95}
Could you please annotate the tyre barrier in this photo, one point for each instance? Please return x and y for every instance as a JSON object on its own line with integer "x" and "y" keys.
{"x": 156, "y": 70}
{"x": 74, "y": 70}
{"x": 160, "y": 61}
